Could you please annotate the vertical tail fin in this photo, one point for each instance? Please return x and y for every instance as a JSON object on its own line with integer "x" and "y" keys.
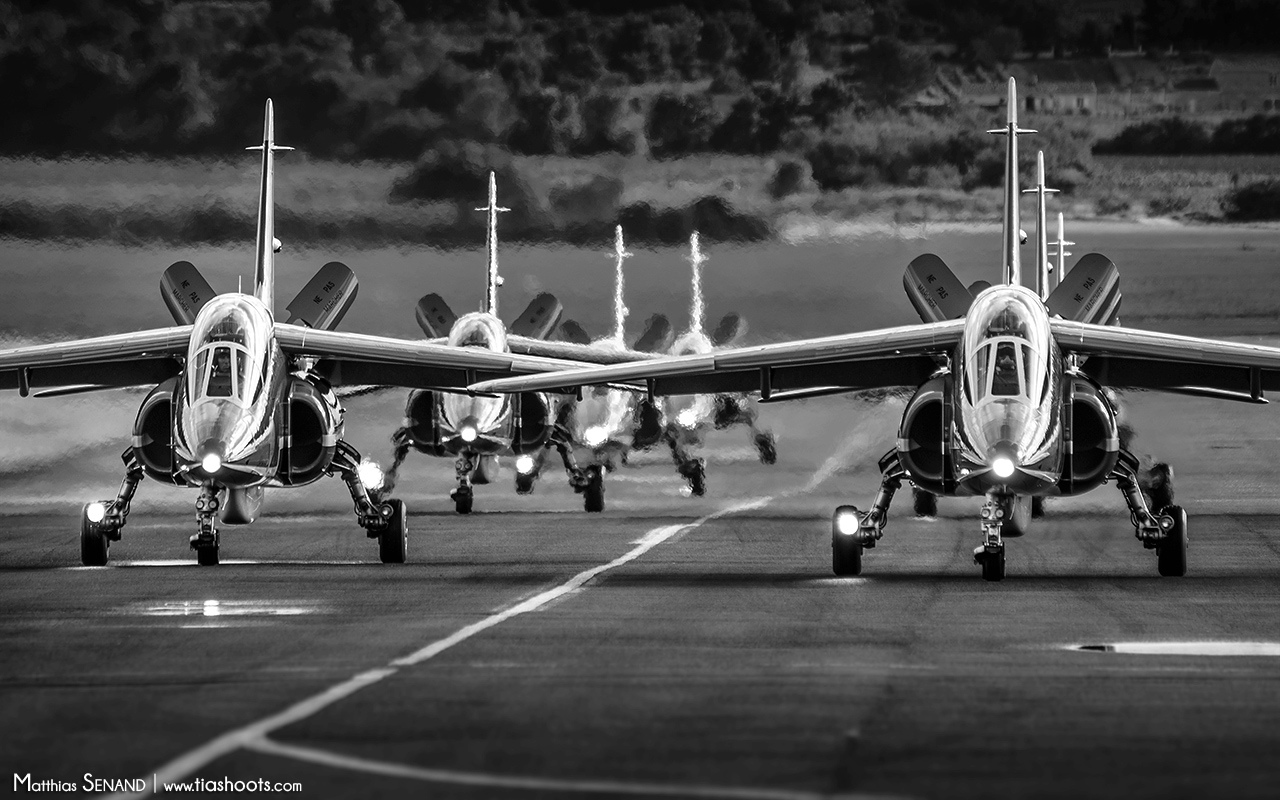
{"x": 698, "y": 311}
{"x": 1011, "y": 260}
{"x": 493, "y": 279}
{"x": 1043, "y": 269}
{"x": 619, "y": 306}
{"x": 264, "y": 277}
{"x": 1060, "y": 253}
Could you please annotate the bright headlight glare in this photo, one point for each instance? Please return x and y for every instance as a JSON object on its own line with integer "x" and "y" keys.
{"x": 524, "y": 464}
{"x": 1002, "y": 467}
{"x": 371, "y": 475}
{"x": 211, "y": 463}
{"x": 595, "y": 436}
{"x": 687, "y": 418}
{"x": 96, "y": 512}
{"x": 847, "y": 523}
{"x": 468, "y": 433}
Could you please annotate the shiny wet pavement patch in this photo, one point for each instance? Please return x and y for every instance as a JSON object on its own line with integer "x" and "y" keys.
{"x": 1183, "y": 648}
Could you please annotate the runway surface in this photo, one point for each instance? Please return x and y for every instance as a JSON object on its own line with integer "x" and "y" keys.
{"x": 672, "y": 646}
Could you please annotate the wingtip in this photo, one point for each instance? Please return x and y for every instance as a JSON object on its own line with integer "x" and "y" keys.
{"x": 268, "y": 122}
{"x": 1013, "y": 102}
{"x": 1040, "y": 167}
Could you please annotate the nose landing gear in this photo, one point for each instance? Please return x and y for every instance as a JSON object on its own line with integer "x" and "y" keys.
{"x": 205, "y": 541}
{"x": 462, "y": 496}
{"x": 990, "y": 554}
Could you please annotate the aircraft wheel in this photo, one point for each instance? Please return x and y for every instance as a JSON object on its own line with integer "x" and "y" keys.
{"x": 697, "y": 477}
{"x": 1171, "y": 554}
{"x": 846, "y": 548}
{"x": 393, "y": 542}
{"x": 524, "y": 484}
{"x": 1160, "y": 485}
{"x": 1037, "y": 507}
{"x": 924, "y": 503}
{"x": 993, "y": 565}
{"x": 593, "y": 492}
{"x": 95, "y": 547}
{"x": 463, "y": 499}
{"x": 207, "y": 556}
{"x": 767, "y": 447}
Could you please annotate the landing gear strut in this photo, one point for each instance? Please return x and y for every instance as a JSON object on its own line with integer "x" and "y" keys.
{"x": 205, "y": 541}
{"x": 462, "y": 496}
{"x": 1166, "y": 530}
{"x": 96, "y": 537}
{"x": 386, "y": 521}
{"x": 737, "y": 410}
{"x": 853, "y": 530}
{"x": 990, "y": 554}
{"x": 691, "y": 468}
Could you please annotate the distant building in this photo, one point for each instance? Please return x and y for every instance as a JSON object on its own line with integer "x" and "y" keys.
{"x": 1061, "y": 97}
{"x": 1249, "y": 84}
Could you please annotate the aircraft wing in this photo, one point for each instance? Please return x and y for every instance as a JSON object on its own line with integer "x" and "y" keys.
{"x": 357, "y": 359}
{"x": 1138, "y": 359}
{"x": 571, "y": 351}
{"x": 103, "y": 362}
{"x": 902, "y": 356}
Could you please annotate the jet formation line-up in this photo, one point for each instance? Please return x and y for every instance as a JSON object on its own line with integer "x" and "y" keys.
{"x": 1011, "y": 383}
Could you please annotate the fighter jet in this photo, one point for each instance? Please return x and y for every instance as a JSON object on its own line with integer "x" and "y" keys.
{"x": 477, "y": 429}
{"x": 1009, "y": 399}
{"x": 242, "y": 401}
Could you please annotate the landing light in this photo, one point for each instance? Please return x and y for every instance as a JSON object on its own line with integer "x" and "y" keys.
{"x": 847, "y": 524}
{"x": 1002, "y": 467}
{"x": 96, "y": 512}
{"x": 595, "y": 436}
{"x": 524, "y": 464}
{"x": 468, "y": 433}
{"x": 211, "y": 463}
{"x": 687, "y": 418}
{"x": 371, "y": 475}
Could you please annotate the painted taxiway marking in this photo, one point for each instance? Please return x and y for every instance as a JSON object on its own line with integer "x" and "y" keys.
{"x": 527, "y": 783}
{"x": 255, "y": 733}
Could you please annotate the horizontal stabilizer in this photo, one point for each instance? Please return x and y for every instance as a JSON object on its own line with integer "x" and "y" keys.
{"x": 185, "y": 291}
{"x": 571, "y": 331}
{"x": 730, "y": 330}
{"x": 434, "y": 316}
{"x": 658, "y": 336}
{"x": 324, "y": 301}
{"x": 1090, "y": 292}
{"x": 934, "y": 290}
{"x": 540, "y": 318}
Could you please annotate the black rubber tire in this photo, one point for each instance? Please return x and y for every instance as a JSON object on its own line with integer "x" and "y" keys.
{"x": 1171, "y": 554}
{"x": 207, "y": 556}
{"x": 846, "y": 549}
{"x": 1037, "y": 507}
{"x": 95, "y": 547}
{"x": 524, "y": 484}
{"x": 993, "y": 566}
{"x": 593, "y": 492}
{"x": 462, "y": 502}
{"x": 393, "y": 543}
{"x": 925, "y": 504}
{"x": 698, "y": 478}
{"x": 767, "y": 448}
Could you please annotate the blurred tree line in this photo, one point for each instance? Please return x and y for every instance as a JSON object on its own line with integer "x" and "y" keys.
{"x": 1258, "y": 134}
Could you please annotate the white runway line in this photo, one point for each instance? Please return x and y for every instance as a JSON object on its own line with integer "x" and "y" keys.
{"x": 527, "y": 783}
{"x": 255, "y": 733}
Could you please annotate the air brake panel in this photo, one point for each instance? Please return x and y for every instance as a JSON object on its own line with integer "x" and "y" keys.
{"x": 434, "y": 316}
{"x": 1090, "y": 292}
{"x": 184, "y": 291}
{"x": 570, "y": 331}
{"x": 540, "y": 318}
{"x": 324, "y": 301}
{"x": 934, "y": 290}
{"x": 658, "y": 337}
{"x": 730, "y": 330}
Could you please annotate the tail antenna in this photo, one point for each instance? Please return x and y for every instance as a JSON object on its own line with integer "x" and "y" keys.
{"x": 620, "y": 309}
{"x": 493, "y": 280}
{"x": 1012, "y": 261}
{"x": 698, "y": 312}
{"x": 1041, "y": 192}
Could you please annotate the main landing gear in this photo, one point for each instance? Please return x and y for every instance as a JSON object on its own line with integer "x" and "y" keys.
{"x": 101, "y": 521}
{"x": 737, "y": 410}
{"x": 692, "y": 468}
{"x": 387, "y": 521}
{"x": 853, "y": 530}
{"x": 1164, "y": 531}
